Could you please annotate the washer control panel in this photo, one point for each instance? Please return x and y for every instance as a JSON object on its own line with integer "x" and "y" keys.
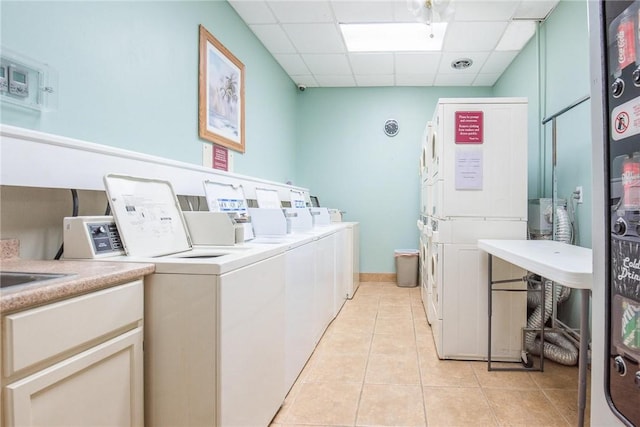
{"x": 88, "y": 237}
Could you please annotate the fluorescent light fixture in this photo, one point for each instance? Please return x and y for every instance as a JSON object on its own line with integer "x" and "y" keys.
{"x": 393, "y": 37}
{"x": 516, "y": 35}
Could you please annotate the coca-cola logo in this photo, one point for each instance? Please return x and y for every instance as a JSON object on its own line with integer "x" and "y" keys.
{"x": 630, "y": 177}
{"x": 622, "y": 43}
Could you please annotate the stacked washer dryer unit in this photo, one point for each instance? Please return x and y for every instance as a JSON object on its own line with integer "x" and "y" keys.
{"x": 425, "y": 254}
{"x": 474, "y": 187}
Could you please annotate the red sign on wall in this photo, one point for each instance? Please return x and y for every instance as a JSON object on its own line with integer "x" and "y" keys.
{"x": 469, "y": 127}
{"x": 220, "y": 158}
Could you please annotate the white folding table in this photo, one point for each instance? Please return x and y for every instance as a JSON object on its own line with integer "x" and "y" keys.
{"x": 567, "y": 265}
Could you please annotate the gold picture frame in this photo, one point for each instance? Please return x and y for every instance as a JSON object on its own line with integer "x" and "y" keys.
{"x": 220, "y": 94}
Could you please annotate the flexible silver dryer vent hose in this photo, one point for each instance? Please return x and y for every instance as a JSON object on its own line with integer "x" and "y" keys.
{"x": 564, "y": 231}
{"x": 556, "y": 347}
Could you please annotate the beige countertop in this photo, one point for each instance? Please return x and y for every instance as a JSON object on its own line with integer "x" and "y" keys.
{"x": 81, "y": 277}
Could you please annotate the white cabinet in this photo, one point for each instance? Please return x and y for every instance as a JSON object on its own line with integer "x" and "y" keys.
{"x": 75, "y": 362}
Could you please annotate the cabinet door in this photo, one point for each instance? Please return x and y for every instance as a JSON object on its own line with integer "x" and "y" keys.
{"x": 101, "y": 386}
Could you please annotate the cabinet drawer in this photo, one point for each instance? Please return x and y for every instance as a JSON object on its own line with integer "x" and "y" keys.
{"x": 34, "y": 335}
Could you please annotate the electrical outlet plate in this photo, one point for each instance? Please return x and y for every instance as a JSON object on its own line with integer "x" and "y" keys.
{"x": 578, "y": 194}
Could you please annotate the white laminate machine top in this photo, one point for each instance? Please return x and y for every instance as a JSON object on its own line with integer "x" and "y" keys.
{"x": 568, "y": 265}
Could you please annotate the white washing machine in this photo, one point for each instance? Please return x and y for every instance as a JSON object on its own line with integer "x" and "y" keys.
{"x": 458, "y": 304}
{"x": 212, "y": 355}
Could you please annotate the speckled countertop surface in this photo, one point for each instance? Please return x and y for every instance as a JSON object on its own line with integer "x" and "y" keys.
{"x": 81, "y": 277}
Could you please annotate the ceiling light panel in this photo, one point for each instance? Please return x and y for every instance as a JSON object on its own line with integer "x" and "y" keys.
{"x": 292, "y": 64}
{"x": 414, "y": 63}
{"x": 315, "y": 38}
{"x": 393, "y": 37}
{"x": 516, "y": 36}
{"x": 473, "y": 36}
{"x": 302, "y": 11}
{"x": 253, "y": 12}
{"x": 484, "y": 10}
{"x": 273, "y": 38}
{"x": 371, "y": 63}
{"x": 332, "y": 64}
{"x": 357, "y": 11}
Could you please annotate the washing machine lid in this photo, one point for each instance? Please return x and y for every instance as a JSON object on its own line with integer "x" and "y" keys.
{"x": 268, "y": 198}
{"x": 148, "y": 216}
{"x": 225, "y": 197}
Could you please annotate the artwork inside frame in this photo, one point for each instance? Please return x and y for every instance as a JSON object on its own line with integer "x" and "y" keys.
{"x": 220, "y": 94}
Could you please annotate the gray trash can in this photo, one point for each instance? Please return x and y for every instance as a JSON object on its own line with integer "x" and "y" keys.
{"x": 407, "y": 261}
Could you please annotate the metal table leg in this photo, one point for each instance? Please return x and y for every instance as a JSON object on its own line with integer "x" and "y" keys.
{"x": 583, "y": 355}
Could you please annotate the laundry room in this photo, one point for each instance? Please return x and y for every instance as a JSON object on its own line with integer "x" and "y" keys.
{"x": 420, "y": 183}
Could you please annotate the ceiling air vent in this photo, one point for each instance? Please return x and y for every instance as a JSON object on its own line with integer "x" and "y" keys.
{"x": 461, "y": 64}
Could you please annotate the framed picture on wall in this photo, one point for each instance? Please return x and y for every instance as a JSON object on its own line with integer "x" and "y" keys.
{"x": 221, "y": 94}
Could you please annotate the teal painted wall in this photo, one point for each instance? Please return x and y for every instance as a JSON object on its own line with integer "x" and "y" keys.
{"x": 350, "y": 164}
{"x": 563, "y": 47}
{"x": 564, "y": 79}
{"x": 128, "y": 77}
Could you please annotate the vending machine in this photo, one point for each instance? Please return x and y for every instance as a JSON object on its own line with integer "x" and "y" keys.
{"x": 621, "y": 82}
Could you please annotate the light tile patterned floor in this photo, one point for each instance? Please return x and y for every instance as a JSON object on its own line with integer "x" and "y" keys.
{"x": 376, "y": 365}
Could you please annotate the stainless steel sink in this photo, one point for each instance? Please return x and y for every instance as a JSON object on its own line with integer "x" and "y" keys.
{"x": 11, "y": 278}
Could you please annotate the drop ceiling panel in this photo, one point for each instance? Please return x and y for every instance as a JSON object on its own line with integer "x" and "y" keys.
{"x": 273, "y": 38}
{"x": 301, "y": 11}
{"x": 484, "y": 10}
{"x": 335, "y": 81}
{"x": 371, "y": 63}
{"x": 414, "y": 79}
{"x": 401, "y": 12}
{"x": 414, "y": 63}
{"x": 535, "y": 9}
{"x": 347, "y": 12}
{"x": 473, "y": 36}
{"x": 306, "y": 79}
{"x": 315, "y": 38}
{"x": 328, "y": 64}
{"x": 454, "y": 79}
{"x": 486, "y": 79}
{"x": 253, "y": 12}
{"x": 292, "y": 64}
{"x": 377, "y": 80}
{"x": 497, "y": 62}
{"x": 304, "y": 37}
